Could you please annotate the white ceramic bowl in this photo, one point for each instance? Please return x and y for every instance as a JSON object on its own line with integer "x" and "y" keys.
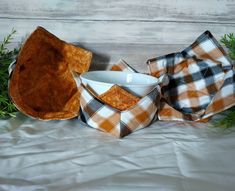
{"x": 136, "y": 83}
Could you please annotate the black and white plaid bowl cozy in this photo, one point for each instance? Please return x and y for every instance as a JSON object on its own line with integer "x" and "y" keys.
{"x": 198, "y": 82}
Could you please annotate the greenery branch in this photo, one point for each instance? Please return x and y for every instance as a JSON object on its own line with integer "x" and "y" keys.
{"x": 228, "y": 120}
{"x": 7, "y": 108}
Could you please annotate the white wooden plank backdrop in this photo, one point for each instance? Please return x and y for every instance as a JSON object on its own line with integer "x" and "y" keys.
{"x": 133, "y": 30}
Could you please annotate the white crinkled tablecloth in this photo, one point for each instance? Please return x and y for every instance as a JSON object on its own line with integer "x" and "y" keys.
{"x": 67, "y": 155}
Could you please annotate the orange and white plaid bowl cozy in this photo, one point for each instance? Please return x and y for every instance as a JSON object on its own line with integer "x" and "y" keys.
{"x": 118, "y": 123}
{"x": 197, "y": 82}
{"x": 103, "y": 117}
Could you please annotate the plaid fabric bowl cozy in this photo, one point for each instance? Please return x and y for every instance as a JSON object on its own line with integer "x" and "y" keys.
{"x": 103, "y": 117}
{"x": 197, "y": 82}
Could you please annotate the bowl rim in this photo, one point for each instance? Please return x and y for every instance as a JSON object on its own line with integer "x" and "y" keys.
{"x": 82, "y": 76}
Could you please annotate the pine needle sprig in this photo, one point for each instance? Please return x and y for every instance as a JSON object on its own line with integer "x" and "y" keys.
{"x": 228, "y": 121}
{"x": 228, "y": 40}
{"x": 7, "y": 108}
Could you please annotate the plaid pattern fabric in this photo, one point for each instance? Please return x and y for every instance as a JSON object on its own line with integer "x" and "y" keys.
{"x": 196, "y": 83}
{"x": 118, "y": 123}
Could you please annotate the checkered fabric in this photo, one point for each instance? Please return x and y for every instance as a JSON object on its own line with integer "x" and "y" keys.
{"x": 196, "y": 83}
{"x": 118, "y": 123}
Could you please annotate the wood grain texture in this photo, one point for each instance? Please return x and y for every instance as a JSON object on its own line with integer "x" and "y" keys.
{"x": 151, "y": 10}
{"x": 135, "y": 32}
{"x": 134, "y": 54}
